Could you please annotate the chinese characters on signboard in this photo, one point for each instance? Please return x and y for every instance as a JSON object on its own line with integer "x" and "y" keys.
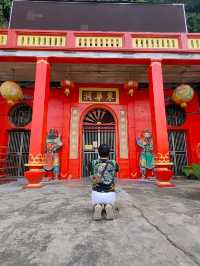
{"x": 103, "y": 95}
{"x": 74, "y": 133}
{"x": 123, "y": 135}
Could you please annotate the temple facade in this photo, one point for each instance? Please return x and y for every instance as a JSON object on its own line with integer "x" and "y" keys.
{"x": 100, "y": 87}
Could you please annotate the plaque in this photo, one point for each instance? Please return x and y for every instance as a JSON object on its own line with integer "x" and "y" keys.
{"x": 74, "y": 133}
{"x": 123, "y": 135}
{"x": 98, "y": 95}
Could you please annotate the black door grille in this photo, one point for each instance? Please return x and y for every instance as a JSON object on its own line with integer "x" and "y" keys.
{"x": 93, "y": 136}
{"x": 98, "y": 128}
{"x": 178, "y": 150}
{"x": 18, "y": 151}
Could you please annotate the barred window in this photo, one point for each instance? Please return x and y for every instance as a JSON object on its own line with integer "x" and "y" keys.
{"x": 20, "y": 115}
{"x": 175, "y": 115}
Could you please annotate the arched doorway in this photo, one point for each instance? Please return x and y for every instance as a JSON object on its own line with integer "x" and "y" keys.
{"x": 98, "y": 128}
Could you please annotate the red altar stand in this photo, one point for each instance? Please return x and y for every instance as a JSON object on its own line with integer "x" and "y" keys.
{"x": 163, "y": 172}
{"x": 36, "y": 172}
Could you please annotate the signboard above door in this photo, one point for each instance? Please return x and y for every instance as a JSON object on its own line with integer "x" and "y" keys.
{"x": 99, "y": 95}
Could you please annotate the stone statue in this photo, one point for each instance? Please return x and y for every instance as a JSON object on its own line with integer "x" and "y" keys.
{"x": 146, "y": 155}
{"x": 53, "y": 145}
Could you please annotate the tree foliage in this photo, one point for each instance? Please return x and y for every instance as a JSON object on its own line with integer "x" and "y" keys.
{"x": 4, "y": 11}
{"x": 192, "y": 10}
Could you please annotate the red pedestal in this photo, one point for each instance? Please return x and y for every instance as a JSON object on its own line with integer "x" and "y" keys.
{"x": 34, "y": 177}
{"x": 163, "y": 176}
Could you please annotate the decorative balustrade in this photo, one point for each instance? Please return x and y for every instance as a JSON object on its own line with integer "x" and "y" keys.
{"x": 194, "y": 43}
{"x": 69, "y": 40}
{"x": 3, "y": 39}
{"x": 41, "y": 41}
{"x": 99, "y": 42}
{"x": 155, "y": 43}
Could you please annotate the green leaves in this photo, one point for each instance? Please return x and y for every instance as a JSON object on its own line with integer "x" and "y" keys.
{"x": 193, "y": 20}
{"x": 192, "y": 171}
{"x": 4, "y": 12}
{"x": 6, "y": 8}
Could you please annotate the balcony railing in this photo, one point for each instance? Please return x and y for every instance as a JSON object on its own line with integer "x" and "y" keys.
{"x": 40, "y": 41}
{"x": 155, "y": 43}
{"x": 106, "y": 41}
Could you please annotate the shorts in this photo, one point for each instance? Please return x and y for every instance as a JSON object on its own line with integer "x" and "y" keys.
{"x": 103, "y": 197}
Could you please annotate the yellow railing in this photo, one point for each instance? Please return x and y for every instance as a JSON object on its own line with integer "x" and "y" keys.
{"x": 14, "y": 39}
{"x": 155, "y": 43}
{"x": 99, "y": 42}
{"x": 194, "y": 43}
{"x": 45, "y": 41}
{"x": 3, "y": 39}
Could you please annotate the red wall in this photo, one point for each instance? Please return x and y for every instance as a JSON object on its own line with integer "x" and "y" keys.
{"x": 138, "y": 116}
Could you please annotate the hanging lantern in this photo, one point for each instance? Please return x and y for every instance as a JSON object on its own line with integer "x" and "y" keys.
{"x": 131, "y": 86}
{"x": 11, "y": 91}
{"x": 183, "y": 94}
{"x": 67, "y": 85}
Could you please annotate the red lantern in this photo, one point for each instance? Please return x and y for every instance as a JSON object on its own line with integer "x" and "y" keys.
{"x": 131, "y": 86}
{"x": 67, "y": 85}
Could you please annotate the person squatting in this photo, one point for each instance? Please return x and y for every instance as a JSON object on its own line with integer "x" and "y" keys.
{"x": 103, "y": 173}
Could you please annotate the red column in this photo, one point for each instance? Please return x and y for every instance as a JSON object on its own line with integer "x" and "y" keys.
{"x": 39, "y": 123}
{"x": 131, "y": 135}
{"x": 66, "y": 138}
{"x": 159, "y": 125}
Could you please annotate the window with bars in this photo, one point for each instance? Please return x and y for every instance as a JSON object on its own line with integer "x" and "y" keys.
{"x": 175, "y": 115}
{"x": 20, "y": 115}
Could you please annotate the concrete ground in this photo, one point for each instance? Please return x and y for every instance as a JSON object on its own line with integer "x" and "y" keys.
{"x": 53, "y": 226}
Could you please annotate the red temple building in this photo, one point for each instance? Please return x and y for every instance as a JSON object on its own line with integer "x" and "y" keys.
{"x": 99, "y": 73}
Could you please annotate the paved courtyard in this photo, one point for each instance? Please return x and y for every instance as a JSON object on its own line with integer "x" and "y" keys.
{"x": 53, "y": 226}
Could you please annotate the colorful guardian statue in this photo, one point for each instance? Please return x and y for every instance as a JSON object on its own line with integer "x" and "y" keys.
{"x": 53, "y": 145}
{"x": 146, "y": 155}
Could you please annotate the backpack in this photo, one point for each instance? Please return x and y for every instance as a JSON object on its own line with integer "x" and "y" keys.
{"x": 104, "y": 172}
